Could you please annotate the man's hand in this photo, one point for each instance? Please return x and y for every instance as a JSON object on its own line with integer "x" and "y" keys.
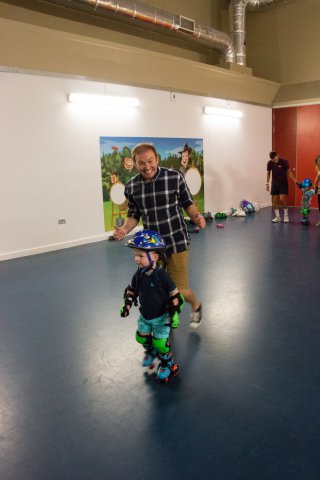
{"x": 267, "y": 187}
{"x": 200, "y": 221}
{"x": 119, "y": 233}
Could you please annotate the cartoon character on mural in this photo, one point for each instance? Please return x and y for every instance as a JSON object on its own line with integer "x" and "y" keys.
{"x": 185, "y": 158}
{"x": 127, "y": 165}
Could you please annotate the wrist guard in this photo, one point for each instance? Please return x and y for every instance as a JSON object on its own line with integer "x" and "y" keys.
{"x": 130, "y": 298}
{"x": 174, "y": 310}
{"x": 298, "y": 184}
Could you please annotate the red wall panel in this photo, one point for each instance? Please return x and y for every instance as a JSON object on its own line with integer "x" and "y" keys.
{"x": 296, "y": 137}
{"x": 308, "y": 143}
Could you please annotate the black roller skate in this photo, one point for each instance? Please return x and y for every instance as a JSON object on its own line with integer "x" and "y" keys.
{"x": 166, "y": 368}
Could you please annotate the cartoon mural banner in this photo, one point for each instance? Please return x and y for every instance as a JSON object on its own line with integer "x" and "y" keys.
{"x": 117, "y": 168}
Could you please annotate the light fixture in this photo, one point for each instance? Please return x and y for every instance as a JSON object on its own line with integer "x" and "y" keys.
{"x": 223, "y": 112}
{"x": 103, "y": 100}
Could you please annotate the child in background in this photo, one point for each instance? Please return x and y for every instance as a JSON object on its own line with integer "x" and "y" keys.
{"x": 317, "y": 181}
{"x": 160, "y": 302}
{"x": 307, "y": 194}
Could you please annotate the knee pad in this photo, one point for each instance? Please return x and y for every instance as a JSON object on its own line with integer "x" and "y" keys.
{"x": 161, "y": 344}
{"x": 143, "y": 339}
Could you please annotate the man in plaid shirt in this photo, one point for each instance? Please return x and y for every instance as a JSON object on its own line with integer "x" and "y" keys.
{"x": 157, "y": 196}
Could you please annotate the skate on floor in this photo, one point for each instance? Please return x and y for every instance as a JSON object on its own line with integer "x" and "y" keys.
{"x": 149, "y": 357}
{"x": 167, "y": 368}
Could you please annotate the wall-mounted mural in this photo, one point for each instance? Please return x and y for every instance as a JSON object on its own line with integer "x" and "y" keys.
{"x": 117, "y": 167}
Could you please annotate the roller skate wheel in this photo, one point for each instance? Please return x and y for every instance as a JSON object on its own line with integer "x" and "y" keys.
{"x": 175, "y": 369}
{"x": 164, "y": 381}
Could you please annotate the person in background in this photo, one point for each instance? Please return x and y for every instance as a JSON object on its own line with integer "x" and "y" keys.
{"x": 157, "y": 195}
{"x": 317, "y": 181}
{"x": 279, "y": 168}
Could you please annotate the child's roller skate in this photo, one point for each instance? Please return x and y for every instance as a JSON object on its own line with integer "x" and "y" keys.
{"x": 166, "y": 368}
{"x": 149, "y": 357}
{"x": 305, "y": 216}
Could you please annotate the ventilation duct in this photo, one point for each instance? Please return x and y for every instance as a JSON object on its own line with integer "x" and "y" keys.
{"x": 145, "y": 16}
{"x": 259, "y": 4}
{"x": 231, "y": 47}
{"x": 237, "y": 17}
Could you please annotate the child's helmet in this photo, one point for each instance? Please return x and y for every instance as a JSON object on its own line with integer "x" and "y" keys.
{"x": 147, "y": 240}
{"x": 306, "y": 183}
{"x": 247, "y": 206}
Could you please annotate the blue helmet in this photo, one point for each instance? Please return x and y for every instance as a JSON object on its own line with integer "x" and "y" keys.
{"x": 306, "y": 183}
{"x": 147, "y": 240}
{"x": 247, "y": 206}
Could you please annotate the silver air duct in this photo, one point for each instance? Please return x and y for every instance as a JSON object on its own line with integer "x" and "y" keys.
{"x": 145, "y": 16}
{"x": 237, "y": 16}
{"x": 231, "y": 47}
{"x": 259, "y": 4}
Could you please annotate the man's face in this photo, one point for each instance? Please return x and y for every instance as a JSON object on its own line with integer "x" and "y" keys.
{"x": 275, "y": 159}
{"x": 147, "y": 164}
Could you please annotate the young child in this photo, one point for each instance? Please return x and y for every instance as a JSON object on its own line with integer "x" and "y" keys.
{"x": 317, "y": 181}
{"x": 307, "y": 194}
{"x": 160, "y": 302}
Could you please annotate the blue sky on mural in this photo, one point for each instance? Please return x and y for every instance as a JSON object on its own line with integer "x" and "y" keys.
{"x": 164, "y": 146}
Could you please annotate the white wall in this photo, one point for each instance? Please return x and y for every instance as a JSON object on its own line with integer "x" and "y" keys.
{"x": 50, "y": 159}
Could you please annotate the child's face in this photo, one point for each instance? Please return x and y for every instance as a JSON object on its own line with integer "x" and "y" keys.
{"x": 141, "y": 259}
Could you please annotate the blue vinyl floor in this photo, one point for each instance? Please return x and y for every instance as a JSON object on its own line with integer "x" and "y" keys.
{"x": 75, "y": 404}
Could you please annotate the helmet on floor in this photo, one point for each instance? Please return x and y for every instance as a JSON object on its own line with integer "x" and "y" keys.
{"x": 147, "y": 240}
{"x": 247, "y": 206}
{"x": 306, "y": 183}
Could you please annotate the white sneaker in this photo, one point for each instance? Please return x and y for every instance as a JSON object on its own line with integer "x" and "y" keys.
{"x": 286, "y": 219}
{"x": 318, "y": 224}
{"x": 276, "y": 220}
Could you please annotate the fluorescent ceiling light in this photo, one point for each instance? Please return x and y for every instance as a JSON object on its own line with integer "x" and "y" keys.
{"x": 103, "y": 100}
{"x": 223, "y": 112}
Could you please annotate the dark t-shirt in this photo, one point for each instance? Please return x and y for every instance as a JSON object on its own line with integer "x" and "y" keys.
{"x": 279, "y": 171}
{"x": 153, "y": 290}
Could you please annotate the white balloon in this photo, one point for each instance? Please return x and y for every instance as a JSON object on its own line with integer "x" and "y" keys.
{"x": 193, "y": 179}
{"x": 117, "y": 193}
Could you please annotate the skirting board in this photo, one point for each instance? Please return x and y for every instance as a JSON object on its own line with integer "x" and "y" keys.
{"x": 57, "y": 246}
{"x": 72, "y": 243}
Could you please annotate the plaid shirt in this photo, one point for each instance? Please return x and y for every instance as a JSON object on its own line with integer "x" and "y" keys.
{"x": 159, "y": 203}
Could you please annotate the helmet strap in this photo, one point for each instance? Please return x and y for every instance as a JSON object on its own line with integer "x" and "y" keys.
{"x": 149, "y": 258}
